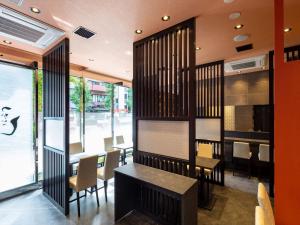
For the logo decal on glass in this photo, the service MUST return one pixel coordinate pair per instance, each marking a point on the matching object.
(8, 124)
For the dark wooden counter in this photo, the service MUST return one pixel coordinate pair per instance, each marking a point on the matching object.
(167, 197)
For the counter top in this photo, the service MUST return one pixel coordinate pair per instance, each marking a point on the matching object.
(166, 180)
(256, 141)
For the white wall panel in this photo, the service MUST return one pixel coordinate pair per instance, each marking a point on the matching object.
(208, 129)
(169, 138)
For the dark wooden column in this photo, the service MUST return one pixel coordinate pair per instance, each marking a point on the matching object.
(56, 121)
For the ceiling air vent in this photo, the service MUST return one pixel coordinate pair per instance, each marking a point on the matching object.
(84, 32)
(246, 64)
(20, 27)
(244, 48)
(17, 2)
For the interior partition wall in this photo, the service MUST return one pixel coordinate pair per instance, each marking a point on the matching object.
(164, 99)
(210, 112)
(56, 125)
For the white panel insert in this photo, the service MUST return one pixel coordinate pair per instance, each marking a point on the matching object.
(208, 129)
(55, 134)
(169, 138)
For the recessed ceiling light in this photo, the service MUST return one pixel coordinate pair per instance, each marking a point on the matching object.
(198, 48)
(234, 15)
(128, 52)
(287, 29)
(1, 55)
(165, 18)
(228, 1)
(239, 26)
(91, 60)
(35, 10)
(7, 42)
(138, 31)
(242, 37)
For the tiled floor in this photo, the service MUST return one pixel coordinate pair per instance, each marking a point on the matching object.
(233, 207)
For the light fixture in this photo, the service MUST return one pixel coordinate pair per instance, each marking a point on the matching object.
(128, 52)
(228, 1)
(7, 42)
(35, 10)
(1, 55)
(234, 15)
(165, 18)
(239, 26)
(198, 48)
(242, 37)
(287, 29)
(138, 31)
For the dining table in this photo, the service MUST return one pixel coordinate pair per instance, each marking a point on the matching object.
(75, 158)
(123, 147)
(205, 200)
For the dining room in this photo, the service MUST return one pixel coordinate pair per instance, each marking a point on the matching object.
(156, 120)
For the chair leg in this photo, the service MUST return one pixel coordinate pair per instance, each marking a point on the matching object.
(207, 180)
(249, 169)
(78, 204)
(85, 193)
(96, 190)
(105, 189)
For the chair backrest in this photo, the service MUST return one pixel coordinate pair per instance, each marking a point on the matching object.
(265, 203)
(108, 144)
(264, 153)
(87, 172)
(259, 216)
(241, 150)
(111, 162)
(75, 148)
(120, 139)
(205, 150)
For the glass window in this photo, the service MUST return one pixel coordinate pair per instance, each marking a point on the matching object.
(97, 115)
(76, 106)
(123, 113)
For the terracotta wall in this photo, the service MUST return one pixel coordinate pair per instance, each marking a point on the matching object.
(287, 130)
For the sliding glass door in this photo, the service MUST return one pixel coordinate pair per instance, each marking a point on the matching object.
(17, 155)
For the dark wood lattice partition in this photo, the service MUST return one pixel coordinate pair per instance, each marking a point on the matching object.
(163, 68)
(164, 80)
(56, 111)
(210, 105)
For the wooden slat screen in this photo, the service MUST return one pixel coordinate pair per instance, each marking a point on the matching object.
(209, 90)
(56, 107)
(210, 105)
(162, 74)
(164, 81)
(292, 53)
(170, 164)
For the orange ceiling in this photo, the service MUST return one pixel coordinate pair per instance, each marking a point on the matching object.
(114, 21)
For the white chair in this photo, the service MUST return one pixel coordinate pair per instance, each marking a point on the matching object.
(86, 177)
(259, 216)
(107, 172)
(75, 148)
(108, 144)
(241, 150)
(264, 153)
(120, 139)
(265, 204)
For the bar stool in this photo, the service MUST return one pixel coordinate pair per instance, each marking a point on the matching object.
(264, 153)
(241, 150)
